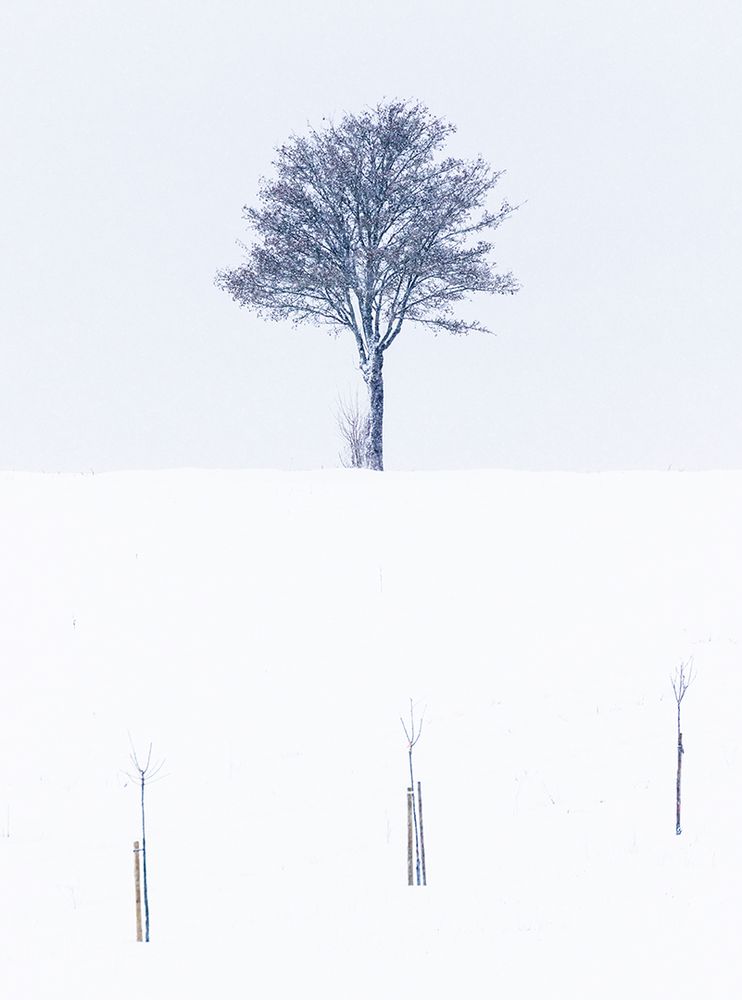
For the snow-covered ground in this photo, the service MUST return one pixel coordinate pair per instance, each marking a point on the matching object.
(265, 632)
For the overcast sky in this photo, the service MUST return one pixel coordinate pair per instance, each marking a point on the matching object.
(133, 134)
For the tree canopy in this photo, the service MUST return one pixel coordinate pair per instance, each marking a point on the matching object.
(365, 226)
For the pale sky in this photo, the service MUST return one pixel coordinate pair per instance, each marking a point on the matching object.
(133, 135)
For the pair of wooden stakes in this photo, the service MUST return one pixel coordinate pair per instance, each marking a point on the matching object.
(416, 874)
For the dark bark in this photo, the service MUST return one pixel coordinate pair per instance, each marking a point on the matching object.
(372, 375)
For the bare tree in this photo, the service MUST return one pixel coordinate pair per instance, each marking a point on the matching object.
(680, 681)
(353, 425)
(413, 735)
(365, 227)
(144, 774)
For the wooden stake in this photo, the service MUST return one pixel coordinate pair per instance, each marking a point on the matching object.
(422, 838)
(137, 890)
(414, 820)
(409, 838)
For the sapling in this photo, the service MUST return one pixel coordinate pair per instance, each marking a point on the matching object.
(680, 681)
(413, 735)
(144, 775)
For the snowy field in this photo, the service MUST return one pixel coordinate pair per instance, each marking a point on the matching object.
(266, 630)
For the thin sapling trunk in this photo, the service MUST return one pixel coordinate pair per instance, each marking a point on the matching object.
(144, 866)
(414, 819)
(144, 775)
(680, 682)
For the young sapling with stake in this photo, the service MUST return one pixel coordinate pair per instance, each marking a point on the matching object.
(144, 775)
(680, 682)
(415, 808)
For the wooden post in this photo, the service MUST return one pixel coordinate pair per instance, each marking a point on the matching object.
(422, 837)
(137, 890)
(409, 837)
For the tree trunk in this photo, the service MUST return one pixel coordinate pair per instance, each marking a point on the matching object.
(678, 828)
(144, 870)
(375, 384)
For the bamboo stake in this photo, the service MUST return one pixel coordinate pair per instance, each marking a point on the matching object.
(414, 821)
(409, 837)
(422, 838)
(137, 890)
